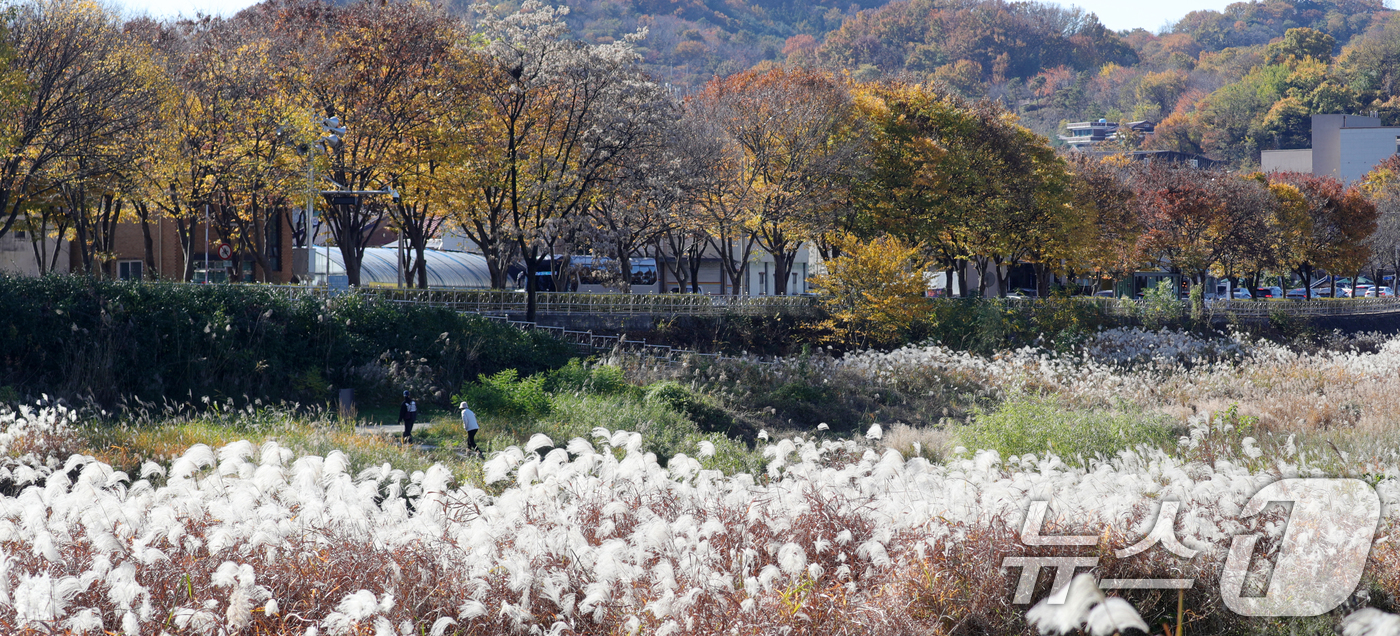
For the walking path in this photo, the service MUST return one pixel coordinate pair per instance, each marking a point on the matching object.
(395, 431)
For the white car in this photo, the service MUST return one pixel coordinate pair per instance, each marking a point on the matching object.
(1380, 292)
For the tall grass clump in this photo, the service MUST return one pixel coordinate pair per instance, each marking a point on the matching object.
(594, 535)
(1029, 423)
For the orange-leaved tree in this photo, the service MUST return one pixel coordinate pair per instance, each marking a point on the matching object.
(875, 290)
(1333, 231)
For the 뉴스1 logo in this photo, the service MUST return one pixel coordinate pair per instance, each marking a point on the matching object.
(1320, 557)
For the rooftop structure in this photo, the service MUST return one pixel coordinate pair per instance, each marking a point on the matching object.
(1090, 133)
(1149, 156)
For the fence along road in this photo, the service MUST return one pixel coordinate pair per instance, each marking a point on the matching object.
(1262, 308)
(503, 302)
(497, 305)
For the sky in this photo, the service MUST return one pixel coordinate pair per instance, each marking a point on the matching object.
(1152, 15)
(1115, 14)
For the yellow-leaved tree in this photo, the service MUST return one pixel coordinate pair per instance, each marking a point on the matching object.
(874, 289)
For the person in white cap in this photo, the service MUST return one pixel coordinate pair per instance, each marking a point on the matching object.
(469, 421)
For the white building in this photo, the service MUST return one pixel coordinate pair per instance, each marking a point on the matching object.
(17, 254)
(1343, 146)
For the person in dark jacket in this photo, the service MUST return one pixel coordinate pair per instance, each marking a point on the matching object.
(408, 414)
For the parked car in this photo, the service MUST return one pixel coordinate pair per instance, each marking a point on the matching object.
(1107, 293)
(1380, 292)
(1241, 293)
(1353, 292)
(1269, 292)
(1297, 293)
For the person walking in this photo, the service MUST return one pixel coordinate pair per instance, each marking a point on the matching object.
(469, 421)
(408, 414)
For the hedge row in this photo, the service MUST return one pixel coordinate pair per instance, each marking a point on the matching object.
(75, 336)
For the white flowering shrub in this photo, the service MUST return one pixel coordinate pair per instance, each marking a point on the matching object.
(596, 537)
(33, 443)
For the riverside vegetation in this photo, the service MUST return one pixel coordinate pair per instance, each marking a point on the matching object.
(874, 492)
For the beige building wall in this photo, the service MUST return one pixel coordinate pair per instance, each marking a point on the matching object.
(1286, 160)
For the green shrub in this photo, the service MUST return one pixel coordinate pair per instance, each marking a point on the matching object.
(506, 395)
(665, 431)
(74, 335)
(1036, 424)
(708, 416)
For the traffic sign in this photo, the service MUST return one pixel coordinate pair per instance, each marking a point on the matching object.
(225, 251)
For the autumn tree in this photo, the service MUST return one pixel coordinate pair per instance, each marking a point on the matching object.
(790, 154)
(640, 199)
(912, 186)
(1103, 193)
(965, 179)
(874, 289)
(1382, 185)
(718, 213)
(376, 67)
(1332, 232)
(72, 89)
(1194, 218)
(556, 116)
(224, 152)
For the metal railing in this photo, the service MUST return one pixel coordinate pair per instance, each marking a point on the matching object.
(594, 342)
(496, 301)
(1301, 307)
(1247, 308)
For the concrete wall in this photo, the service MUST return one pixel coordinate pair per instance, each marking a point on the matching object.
(1327, 141)
(1287, 160)
(1363, 148)
(17, 255)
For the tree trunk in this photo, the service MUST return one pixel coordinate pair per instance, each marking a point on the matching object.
(421, 267)
(143, 212)
(185, 230)
(961, 265)
(624, 265)
(782, 269)
(531, 286)
(660, 267)
(693, 256)
(1003, 281)
(981, 262)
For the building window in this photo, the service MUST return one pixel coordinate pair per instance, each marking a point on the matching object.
(19, 235)
(129, 270)
(1195, 163)
(763, 281)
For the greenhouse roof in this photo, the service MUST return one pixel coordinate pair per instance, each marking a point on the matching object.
(380, 267)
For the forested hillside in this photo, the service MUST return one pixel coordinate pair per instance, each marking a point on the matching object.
(1226, 84)
(691, 41)
(1223, 83)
